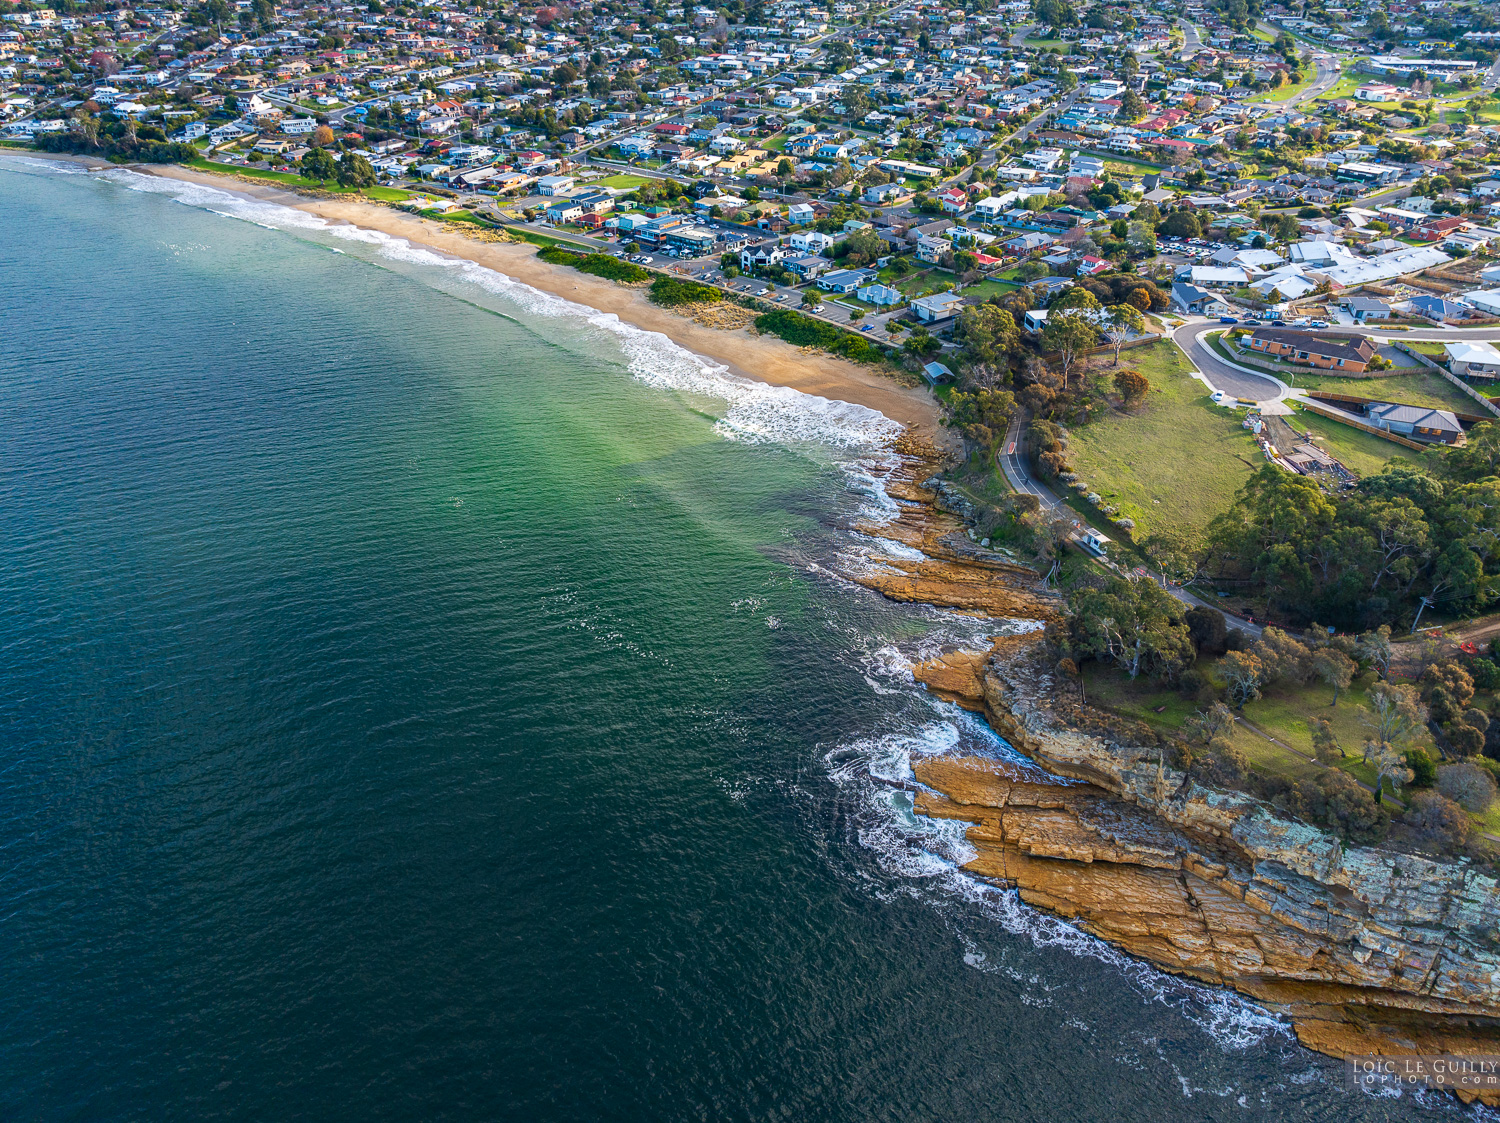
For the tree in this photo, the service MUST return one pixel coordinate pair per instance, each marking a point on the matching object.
(1374, 647)
(1124, 320)
(1396, 713)
(1468, 785)
(1208, 629)
(1283, 657)
(1212, 723)
(984, 416)
(1140, 240)
(1132, 385)
(1438, 822)
(1181, 224)
(1135, 624)
(319, 165)
(356, 171)
(1349, 811)
(322, 137)
(1070, 336)
(1243, 674)
(1335, 668)
(1389, 763)
(1326, 747)
(988, 332)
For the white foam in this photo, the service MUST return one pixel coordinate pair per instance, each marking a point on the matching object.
(756, 412)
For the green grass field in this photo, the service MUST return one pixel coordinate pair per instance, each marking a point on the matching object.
(290, 179)
(1178, 461)
(1289, 91)
(1423, 387)
(624, 182)
(1285, 714)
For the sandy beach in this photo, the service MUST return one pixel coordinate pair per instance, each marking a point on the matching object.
(763, 358)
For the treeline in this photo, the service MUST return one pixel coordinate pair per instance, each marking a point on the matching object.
(124, 149)
(1401, 541)
(596, 264)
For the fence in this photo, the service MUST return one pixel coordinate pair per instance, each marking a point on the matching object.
(1339, 415)
(1350, 399)
(1488, 405)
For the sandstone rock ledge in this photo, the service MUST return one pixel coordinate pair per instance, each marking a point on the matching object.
(1365, 950)
(954, 572)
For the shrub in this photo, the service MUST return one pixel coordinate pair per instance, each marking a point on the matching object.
(670, 292)
(597, 264)
(1423, 770)
(1438, 822)
(1467, 785)
(804, 331)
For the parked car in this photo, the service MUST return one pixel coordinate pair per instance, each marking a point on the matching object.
(1229, 319)
(1318, 324)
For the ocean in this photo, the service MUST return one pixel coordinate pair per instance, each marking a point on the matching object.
(424, 698)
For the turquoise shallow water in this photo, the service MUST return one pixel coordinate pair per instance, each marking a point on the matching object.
(420, 699)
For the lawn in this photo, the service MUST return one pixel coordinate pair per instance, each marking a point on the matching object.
(1178, 461)
(1284, 713)
(290, 179)
(1289, 91)
(1126, 164)
(1044, 44)
(988, 288)
(624, 182)
(1345, 86)
(1421, 387)
(1357, 450)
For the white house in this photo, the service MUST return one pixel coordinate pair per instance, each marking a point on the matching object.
(1473, 358)
(799, 214)
(881, 295)
(554, 185)
(810, 241)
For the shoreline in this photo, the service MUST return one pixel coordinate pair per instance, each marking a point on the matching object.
(757, 358)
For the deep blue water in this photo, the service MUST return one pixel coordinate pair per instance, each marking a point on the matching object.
(421, 701)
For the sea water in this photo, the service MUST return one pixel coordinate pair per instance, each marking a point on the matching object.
(422, 697)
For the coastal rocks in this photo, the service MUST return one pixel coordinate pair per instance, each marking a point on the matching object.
(952, 571)
(1365, 950)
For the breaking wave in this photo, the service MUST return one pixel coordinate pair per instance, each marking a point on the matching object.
(756, 412)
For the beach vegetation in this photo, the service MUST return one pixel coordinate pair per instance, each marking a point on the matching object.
(805, 331)
(670, 292)
(595, 264)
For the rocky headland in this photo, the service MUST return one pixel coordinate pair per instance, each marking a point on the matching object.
(1366, 950)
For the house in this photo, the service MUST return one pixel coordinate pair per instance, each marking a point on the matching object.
(1365, 308)
(937, 308)
(882, 296)
(955, 200)
(564, 210)
(1195, 301)
(1326, 352)
(1486, 300)
(810, 241)
(799, 214)
(1435, 228)
(1376, 91)
(844, 280)
(887, 195)
(936, 373)
(1418, 422)
(761, 253)
(554, 185)
(931, 250)
(1440, 310)
(806, 266)
(1473, 358)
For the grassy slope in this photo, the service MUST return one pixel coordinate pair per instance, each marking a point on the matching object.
(382, 194)
(1285, 713)
(1179, 450)
(1422, 387)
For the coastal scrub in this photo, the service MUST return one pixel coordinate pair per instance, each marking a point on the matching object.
(597, 264)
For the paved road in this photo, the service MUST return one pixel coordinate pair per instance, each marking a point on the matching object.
(1192, 42)
(1018, 40)
(1012, 459)
(1041, 118)
(1219, 373)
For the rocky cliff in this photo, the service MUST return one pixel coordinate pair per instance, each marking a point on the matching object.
(1365, 950)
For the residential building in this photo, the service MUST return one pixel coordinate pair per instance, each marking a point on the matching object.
(1420, 423)
(1326, 352)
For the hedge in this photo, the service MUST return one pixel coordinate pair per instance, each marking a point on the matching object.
(598, 264)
